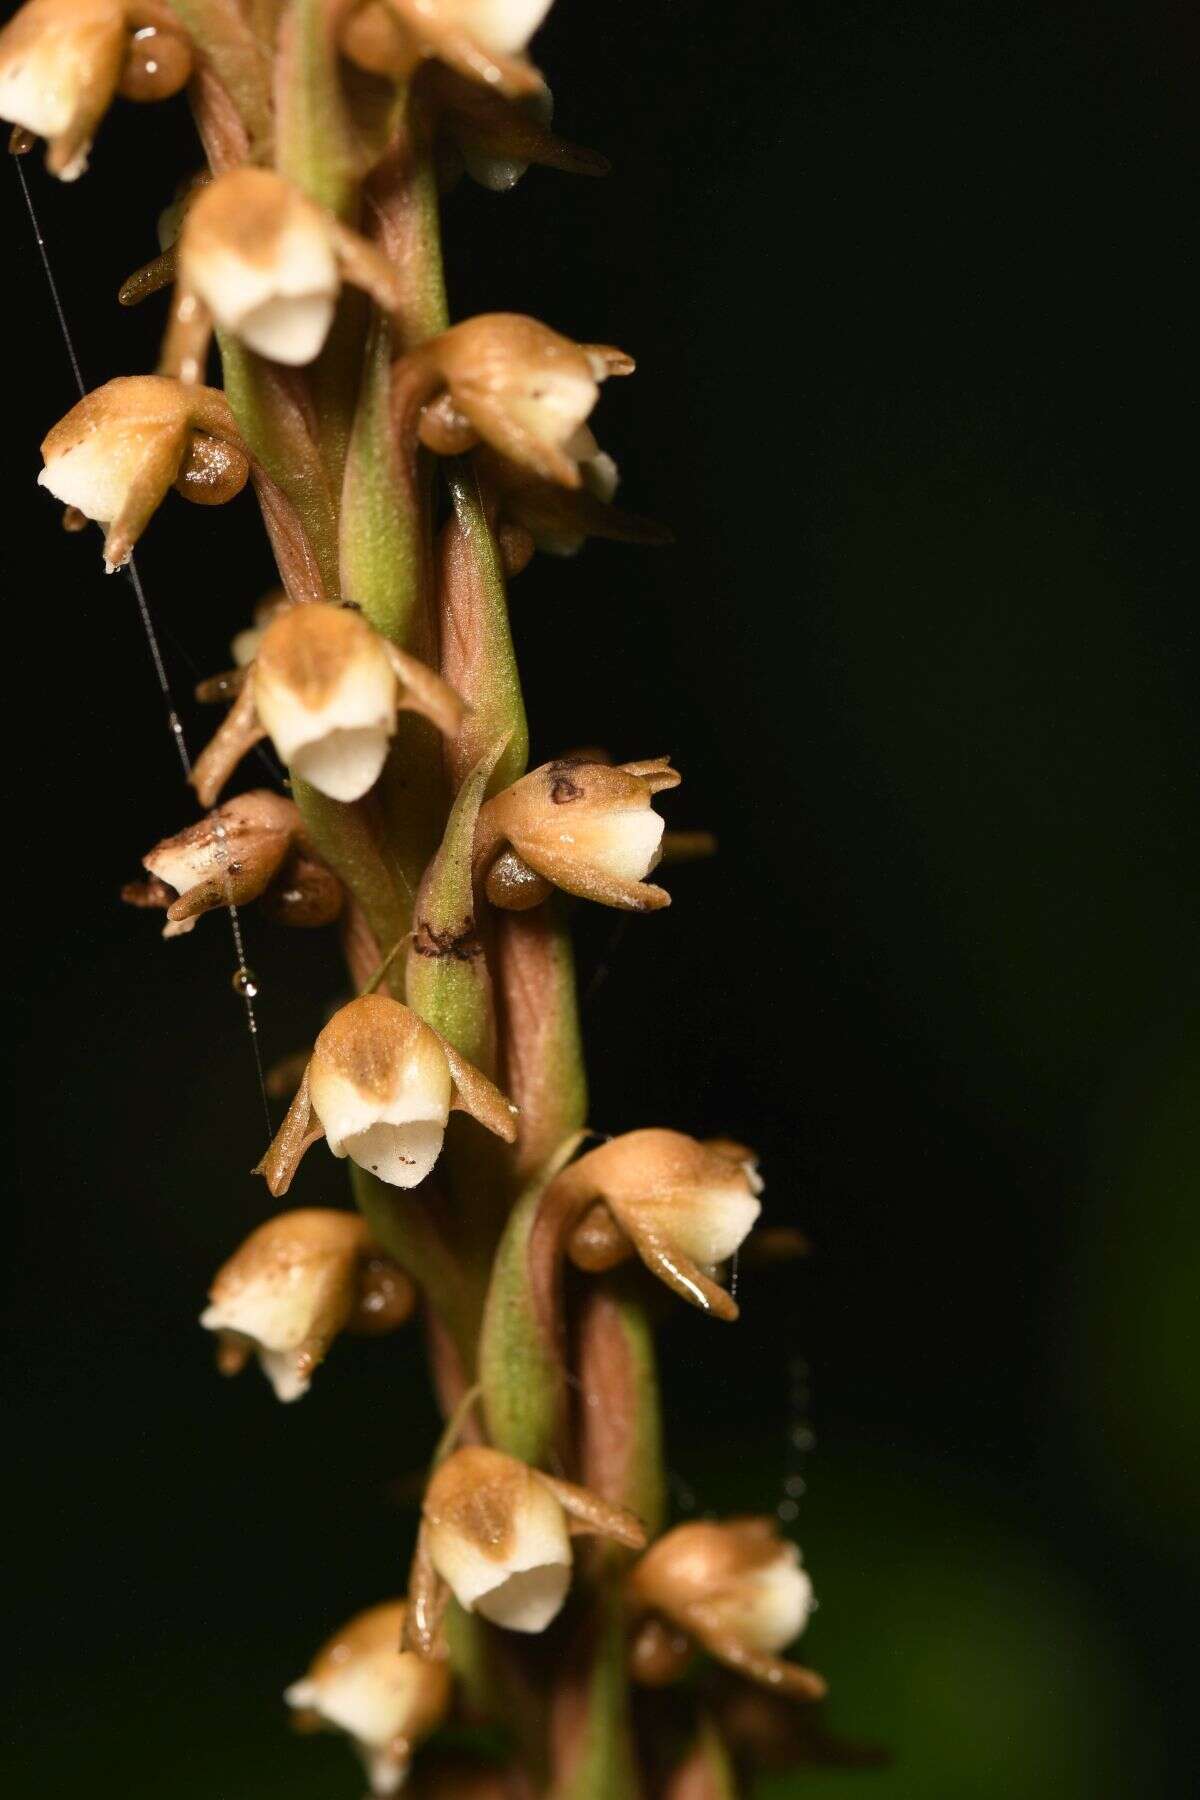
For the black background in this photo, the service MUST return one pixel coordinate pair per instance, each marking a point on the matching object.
(906, 287)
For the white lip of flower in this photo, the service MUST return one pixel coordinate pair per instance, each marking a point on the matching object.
(713, 1225)
(95, 475)
(502, 26)
(769, 1607)
(278, 1322)
(339, 744)
(625, 844)
(523, 1589)
(555, 409)
(396, 1128)
(383, 1698)
(282, 308)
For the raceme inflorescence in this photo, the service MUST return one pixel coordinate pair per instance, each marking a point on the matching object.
(408, 467)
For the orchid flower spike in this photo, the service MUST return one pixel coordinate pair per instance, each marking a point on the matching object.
(117, 452)
(484, 40)
(226, 859)
(259, 259)
(380, 1087)
(62, 63)
(511, 382)
(685, 1207)
(294, 1284)
(738, 1590)
(497, 1535)
(585, 827)
(386, 1700)
(326, 689)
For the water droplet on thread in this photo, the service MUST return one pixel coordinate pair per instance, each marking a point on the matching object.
(245, 983)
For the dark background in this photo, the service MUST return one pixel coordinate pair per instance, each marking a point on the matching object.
(906, 286)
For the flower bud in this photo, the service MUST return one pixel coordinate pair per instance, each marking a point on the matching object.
(686, 1207)
(227, 858)
(525, 390)
(587, 827)
(117, 452)
(739, 1590)
(495, 1531)
(288, 1291)
(380, 1087)
(62, 62)
(385, 1699)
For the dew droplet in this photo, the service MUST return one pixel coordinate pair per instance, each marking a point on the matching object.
(245, 983)
(788, 1511)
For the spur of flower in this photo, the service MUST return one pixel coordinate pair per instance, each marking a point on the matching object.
(384, 1699)
(261, 260)
(293, 1286)
(586, 827)
(114, 456)
(326, 689)
(685, 1207)
(738, 1590)
(508, 381)
(380, 1086)
(497, 1535)
(63, 62)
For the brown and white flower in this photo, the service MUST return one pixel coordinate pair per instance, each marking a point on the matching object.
(585, 827)
(497, 1535)
(385, 1699)
(684, 1206)
(739, 1590)
(326, 689)
(294, 1284)
(512, 382)
(116, 453)
(227, 858)
(380, 1087)
(260, 259)
(62, 63)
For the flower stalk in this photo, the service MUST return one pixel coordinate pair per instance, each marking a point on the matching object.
(408, 464)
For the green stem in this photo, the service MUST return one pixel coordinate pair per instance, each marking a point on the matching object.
(353, 841)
